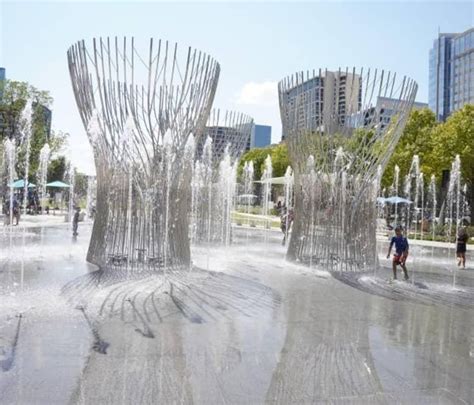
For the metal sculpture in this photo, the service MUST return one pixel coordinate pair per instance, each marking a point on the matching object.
(214, 181)
(141, 106)
(228, 130)
(341, 128)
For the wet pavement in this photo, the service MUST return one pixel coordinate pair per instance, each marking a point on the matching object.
(240, 326)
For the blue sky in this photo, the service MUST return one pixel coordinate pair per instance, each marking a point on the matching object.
(256, 43)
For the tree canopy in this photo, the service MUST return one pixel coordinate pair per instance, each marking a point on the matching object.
(437, 144)
(278, 154)
(15, 96)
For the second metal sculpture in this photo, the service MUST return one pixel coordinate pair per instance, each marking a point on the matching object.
(341, 128)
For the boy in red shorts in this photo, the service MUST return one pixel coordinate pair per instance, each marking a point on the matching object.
(401, 252)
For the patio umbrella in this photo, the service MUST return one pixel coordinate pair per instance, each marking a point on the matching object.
(21, 184)
(273, 180)
(58, 184)
(397, 200)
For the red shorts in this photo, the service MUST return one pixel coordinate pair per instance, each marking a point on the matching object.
(400, 259)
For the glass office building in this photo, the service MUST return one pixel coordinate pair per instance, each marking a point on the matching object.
(260, 136)
(451, 81)
(2, 78)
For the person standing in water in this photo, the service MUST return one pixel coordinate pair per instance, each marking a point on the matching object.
(401, 252)
(75, 221)
(286, 220)
(462, 239)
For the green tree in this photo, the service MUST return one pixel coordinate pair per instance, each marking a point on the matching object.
(258, 156)
(80, 185)
(278, 154)
(57, 169)
(280, 159)
(14, 99)
(57, 141)
(416, 139)
(456, 137)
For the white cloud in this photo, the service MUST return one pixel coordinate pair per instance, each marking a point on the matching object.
(264, 94)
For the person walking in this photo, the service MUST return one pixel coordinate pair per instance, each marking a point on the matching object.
(286, 219)
(75, 221)
(16, 211)
(401, 252)
(461, 246)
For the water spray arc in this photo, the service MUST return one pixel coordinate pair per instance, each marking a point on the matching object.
(218, 150)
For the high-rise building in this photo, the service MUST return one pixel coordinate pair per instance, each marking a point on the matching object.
(382, 113)
(45, 115)
(260, 136)
(3, 76)
(333, 94)
(451, 83)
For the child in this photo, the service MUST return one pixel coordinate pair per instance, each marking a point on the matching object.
(286, 219)
(401, 252)
(75, 221)
(463, 237)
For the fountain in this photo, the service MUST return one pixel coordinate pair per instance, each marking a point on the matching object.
(227, 187)
(454, 204)
(432, 200)
(43, 174)
(26, 120)
(141, 118)
(453, 197)
(91, 195)
(202, 195)
(412, 192)
(10, 160)
(396, 180)
(248, 173)
(71, 178)
(289, 180)
(215, 174)
(267, 190)
(338, 118)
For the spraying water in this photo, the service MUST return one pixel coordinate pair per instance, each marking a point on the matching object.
(412, 187)
(224, 198)
(433, 201)
(289, 182)
(43, 173)
(10, 157)
(267, 189)
(454, 195)
(26, 119)
(396, 181)
(248, 187)
(91, 195)
(71, 178)
(421, 188)
(454, 201)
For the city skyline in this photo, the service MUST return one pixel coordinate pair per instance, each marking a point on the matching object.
(256, 44)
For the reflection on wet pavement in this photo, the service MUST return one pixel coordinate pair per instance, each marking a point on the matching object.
(241, 326)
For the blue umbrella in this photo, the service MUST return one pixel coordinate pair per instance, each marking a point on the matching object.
(58, 184)
(397, 200)
(21, 184)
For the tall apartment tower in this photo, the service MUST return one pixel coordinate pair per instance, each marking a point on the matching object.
(3, 76)
(451, 81)
(333, 94)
